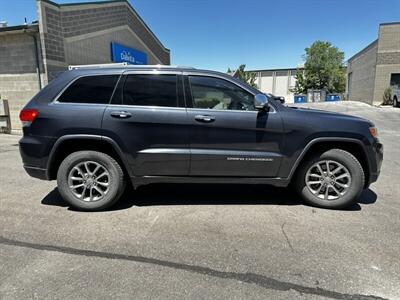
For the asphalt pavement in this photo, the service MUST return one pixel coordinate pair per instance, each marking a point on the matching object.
(202, 241)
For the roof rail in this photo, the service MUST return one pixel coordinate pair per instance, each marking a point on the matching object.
(123, 64)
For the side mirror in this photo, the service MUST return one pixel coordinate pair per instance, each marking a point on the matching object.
(280, 99)
(260, 101)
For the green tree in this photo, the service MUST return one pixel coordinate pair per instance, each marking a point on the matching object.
(248, 77)
(323, 69)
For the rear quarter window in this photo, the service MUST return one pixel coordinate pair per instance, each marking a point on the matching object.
(90, 89)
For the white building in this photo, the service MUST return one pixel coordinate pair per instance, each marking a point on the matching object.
(278, 82)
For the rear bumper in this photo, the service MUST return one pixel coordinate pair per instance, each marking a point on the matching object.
(35, 153)
(36, 172)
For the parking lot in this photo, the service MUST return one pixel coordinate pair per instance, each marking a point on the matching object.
(202, 241)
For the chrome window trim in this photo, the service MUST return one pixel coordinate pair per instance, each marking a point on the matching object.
(153, 107)
(231, 110)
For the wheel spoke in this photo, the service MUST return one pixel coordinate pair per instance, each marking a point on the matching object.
(76, 186)
(343, 176)
(101, 175)
(320, 169)
(83, 193)
(335, 190)
(99, 190)
(314, 182)
(79, 170)
(91, 194)
(327, 167)
(102, 183)
(342, 184)
(326, 193)
(315, 175)
(96, 169)
(76, 178)
(319, 189)
(336, 170)
(86, 164)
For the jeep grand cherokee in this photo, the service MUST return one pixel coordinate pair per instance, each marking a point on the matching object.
(94, 129)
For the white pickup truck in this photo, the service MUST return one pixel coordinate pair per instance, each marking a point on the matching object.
(396, 96)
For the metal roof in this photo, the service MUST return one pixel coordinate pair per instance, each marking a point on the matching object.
(18, 28)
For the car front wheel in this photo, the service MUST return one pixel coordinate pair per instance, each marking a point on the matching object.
(333, 179)
(90, 180)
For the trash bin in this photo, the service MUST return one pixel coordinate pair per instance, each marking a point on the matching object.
(333, 97)
(300, 98)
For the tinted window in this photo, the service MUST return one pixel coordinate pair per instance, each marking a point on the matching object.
(215, 93)
(151, 90)
(91, 89)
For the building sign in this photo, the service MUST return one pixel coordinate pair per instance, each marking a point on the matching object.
(121, 53)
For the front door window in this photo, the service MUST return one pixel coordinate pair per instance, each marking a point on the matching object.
(215, 93)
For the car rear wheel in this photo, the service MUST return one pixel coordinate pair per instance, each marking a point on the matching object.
(90, 180)
(333, 179)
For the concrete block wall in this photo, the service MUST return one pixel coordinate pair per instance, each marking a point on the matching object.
(17, 54)
(388, 58)
(93, 48)
(18, 89)
(18, 77)
(82, 34)
(362, 67)
(382, 80)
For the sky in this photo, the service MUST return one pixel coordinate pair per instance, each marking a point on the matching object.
(263, 34)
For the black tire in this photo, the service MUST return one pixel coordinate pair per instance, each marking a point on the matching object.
(115, 176)
(354, 190)
(395, 102)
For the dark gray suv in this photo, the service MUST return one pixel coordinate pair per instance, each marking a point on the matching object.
(95, 129)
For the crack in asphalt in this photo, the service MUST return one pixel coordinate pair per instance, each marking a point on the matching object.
(286, 237)
(260, 280)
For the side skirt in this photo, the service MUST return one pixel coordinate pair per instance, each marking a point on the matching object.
(144, 180)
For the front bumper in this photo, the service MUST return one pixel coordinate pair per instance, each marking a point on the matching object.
(36, 172)
(377, 157)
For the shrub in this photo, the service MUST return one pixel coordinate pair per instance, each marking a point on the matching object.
(387, 97)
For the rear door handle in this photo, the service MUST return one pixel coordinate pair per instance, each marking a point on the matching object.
(121, 114)
(204, 118)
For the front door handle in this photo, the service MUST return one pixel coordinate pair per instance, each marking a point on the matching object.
(121, 114)
(204, 118)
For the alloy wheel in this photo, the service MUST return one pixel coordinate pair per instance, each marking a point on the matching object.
(89, 181)
(328, 180)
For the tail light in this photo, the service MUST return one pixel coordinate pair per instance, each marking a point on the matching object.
(27, 116)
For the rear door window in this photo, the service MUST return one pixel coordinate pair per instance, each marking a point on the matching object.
(151, 90)
(90, 89)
